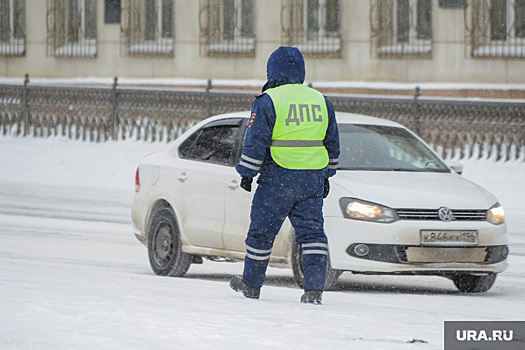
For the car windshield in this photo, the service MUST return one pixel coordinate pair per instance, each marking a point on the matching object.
(384, 148)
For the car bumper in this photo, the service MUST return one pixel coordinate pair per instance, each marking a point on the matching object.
(395, 248)
(138, 219)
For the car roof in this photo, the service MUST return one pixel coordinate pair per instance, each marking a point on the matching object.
(353, 118)
(342, 118)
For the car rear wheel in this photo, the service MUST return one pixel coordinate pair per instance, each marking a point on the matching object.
(164, 246)
(469, 283)
(298, 271)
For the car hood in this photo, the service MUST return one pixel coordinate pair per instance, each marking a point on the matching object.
(413, 189)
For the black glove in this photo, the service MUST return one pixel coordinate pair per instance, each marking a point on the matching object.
(326, 188)
(246, 183)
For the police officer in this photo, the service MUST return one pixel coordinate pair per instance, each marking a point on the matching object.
(293, 143)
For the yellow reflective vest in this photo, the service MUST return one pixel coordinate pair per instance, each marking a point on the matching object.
(300, 127)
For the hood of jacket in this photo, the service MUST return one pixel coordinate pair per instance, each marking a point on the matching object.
(285, 66)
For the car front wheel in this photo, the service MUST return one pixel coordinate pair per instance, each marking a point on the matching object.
(164, 246)
(298, 271)
(469, 283)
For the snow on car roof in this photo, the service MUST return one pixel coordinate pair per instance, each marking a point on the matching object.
(352, 118)
(342, 117)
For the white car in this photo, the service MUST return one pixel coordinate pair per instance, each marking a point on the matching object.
(394, 207)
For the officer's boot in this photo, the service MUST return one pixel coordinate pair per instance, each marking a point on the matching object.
(312, 297)
(237, 284)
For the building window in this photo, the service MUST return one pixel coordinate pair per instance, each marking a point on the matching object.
(401, 28)
(112, 11)
(12, 28)
(227, 28)
(71, 28)
(147, 28)
(495, 28)
(452, 4)
(313, 26)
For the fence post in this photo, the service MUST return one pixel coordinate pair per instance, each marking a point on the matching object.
(25, 101)
(114, 117)
(208, 99)
(415, 111)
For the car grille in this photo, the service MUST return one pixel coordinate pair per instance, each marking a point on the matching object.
(432, 214)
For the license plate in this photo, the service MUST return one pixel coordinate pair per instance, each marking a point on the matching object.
(449, 237)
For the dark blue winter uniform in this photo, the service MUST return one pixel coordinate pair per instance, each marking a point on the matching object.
(297, 194)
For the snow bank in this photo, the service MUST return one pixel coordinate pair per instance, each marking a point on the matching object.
(58, 160)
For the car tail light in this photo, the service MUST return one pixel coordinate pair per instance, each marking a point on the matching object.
(137, 181)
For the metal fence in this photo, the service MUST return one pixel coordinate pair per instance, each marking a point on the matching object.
(101, 114)
(455, 128)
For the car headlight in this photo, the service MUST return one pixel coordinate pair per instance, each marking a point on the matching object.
(362, 210)
(496, 214)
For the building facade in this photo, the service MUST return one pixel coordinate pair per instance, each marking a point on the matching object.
(474, 41)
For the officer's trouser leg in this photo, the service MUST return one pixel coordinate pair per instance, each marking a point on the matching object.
(307, 220)
(267, 215)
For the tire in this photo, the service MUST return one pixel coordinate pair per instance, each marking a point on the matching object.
(298, 271)
(469, 283)
(164, 246)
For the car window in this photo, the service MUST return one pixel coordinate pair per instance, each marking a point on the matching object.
(216, 142)
(185, 147)
(376, 147)
(242, 138)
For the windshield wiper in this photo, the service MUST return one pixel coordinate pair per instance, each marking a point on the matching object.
(404, 169)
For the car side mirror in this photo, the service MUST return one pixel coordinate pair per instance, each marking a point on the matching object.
(457, 167)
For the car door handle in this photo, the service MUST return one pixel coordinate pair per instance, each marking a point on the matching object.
(233, 184)
(182, 177)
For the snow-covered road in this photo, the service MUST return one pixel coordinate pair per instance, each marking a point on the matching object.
(73, 276)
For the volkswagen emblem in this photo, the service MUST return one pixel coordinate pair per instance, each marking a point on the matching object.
(445, 214)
